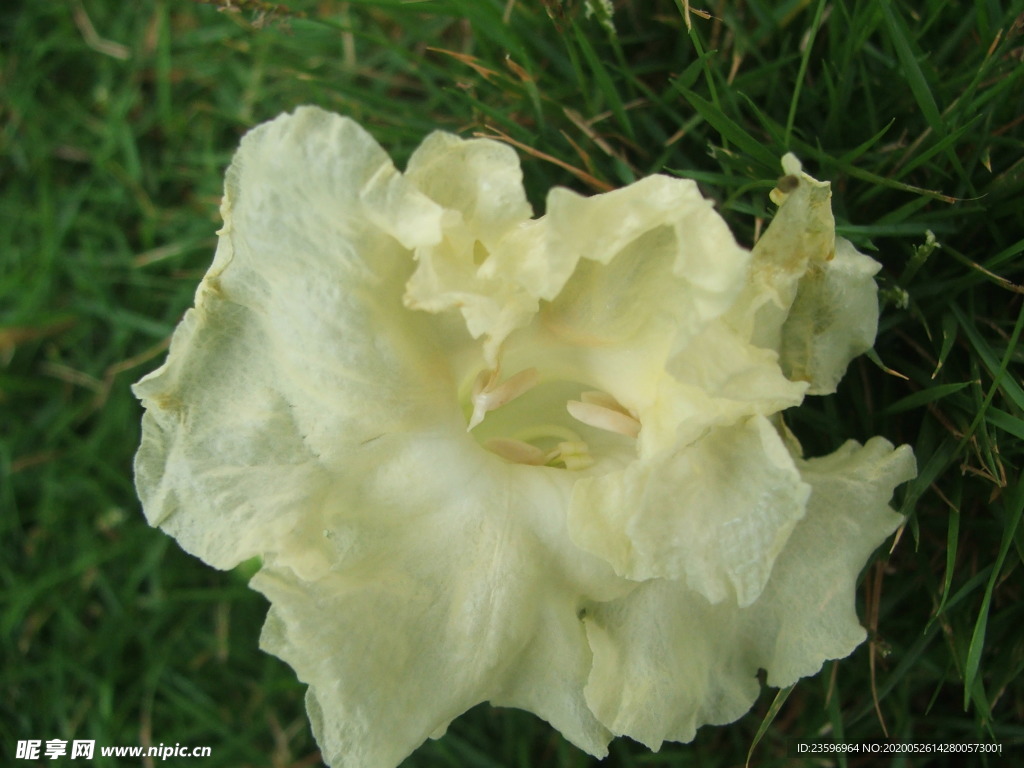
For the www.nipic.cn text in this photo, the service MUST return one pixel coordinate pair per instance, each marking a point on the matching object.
(34, 749)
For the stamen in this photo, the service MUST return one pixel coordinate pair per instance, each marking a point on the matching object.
(603, 399)
(574, 455)
(488, 397)
(601, 416)
(516, 451)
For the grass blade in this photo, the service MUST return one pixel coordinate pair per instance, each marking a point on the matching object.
(731, 131)
(1015, 506)
(773, 710)
(912, 70)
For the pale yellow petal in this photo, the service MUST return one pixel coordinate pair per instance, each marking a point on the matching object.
(740, 378)
(713, 514)
(660, 253)
(478, 183)
(801, 234)
(457, 586)
(834, 318)
(666, 661)
(807, 613)
(298, 349)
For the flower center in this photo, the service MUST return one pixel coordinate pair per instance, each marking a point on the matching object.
(528, 419)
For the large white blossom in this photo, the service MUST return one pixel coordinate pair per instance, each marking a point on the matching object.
(536, 462)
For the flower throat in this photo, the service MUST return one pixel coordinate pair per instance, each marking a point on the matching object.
(527, 419)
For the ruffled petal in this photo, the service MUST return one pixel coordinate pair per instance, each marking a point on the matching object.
(478, 184)
(811, 296)
(587, 259)
(478, 180)
(807, 613)
(460, 588)
(801, 234)
(653, 253)
(834, 318)
(666, 661)
(298, 349)
(687, 516)
(649, 266)
(739, 378)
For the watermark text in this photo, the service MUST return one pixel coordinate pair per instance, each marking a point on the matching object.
(54, 749)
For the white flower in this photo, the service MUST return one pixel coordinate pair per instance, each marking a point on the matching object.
(537, 462)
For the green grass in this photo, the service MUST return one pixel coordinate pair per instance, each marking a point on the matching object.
(112, 150)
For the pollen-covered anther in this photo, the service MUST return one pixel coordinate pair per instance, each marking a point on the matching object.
(488, 395)
(601, 410)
